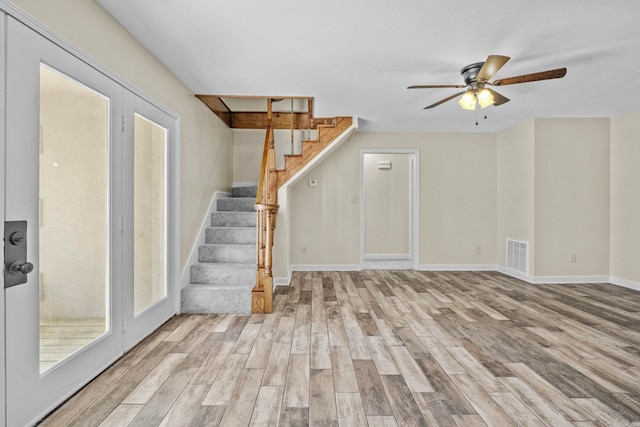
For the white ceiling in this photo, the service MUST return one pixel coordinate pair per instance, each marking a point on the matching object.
(357, 57)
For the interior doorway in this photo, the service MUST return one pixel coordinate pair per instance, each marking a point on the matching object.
(389, 209)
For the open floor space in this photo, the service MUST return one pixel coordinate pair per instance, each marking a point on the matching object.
(385, 348)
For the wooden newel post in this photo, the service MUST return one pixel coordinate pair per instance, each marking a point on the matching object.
(262, 293)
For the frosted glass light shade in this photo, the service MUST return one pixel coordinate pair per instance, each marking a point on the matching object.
(485, 98)
(468, 100)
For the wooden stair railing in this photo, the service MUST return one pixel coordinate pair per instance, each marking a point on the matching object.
(267, 208)
(267, 198)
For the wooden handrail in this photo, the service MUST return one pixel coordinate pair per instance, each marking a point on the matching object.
(267, 208)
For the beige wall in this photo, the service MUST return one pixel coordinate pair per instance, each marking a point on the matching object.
(516, 184)
(247, 154)
(457, 200)
(571, 197)
(625, 197)
(551, 182)
(206, 155)
(567, 186)
(248, 145)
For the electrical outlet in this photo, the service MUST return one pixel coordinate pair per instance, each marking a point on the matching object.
(303, 250)
(478, 250)
(574, 258)
(355, 199)
(313, 183)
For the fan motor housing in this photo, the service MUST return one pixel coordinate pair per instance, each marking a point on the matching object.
(470, 72)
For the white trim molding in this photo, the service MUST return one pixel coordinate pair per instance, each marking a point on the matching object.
(326, 267)
(565, 280)
(515, 273)
(534, 280)
(282, 281)
(625, 283)
(457, 267)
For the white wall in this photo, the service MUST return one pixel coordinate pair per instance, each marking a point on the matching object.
(625, 197)
(205, 154)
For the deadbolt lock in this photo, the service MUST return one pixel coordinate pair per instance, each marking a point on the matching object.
(16, 266)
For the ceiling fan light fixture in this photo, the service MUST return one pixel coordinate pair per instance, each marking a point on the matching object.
(468, 100)
(485, 98)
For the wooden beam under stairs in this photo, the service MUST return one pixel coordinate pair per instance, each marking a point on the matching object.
(327, 133)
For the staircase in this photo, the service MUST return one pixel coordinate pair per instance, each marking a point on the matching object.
(234, 269)
(222, 280)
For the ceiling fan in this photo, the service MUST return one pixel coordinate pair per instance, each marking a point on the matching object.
(476, 78)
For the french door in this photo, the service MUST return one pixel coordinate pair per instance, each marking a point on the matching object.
(87, 174)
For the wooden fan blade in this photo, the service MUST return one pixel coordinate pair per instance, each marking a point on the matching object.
(491, 66)
(442, 101)
(434, 86)
(558, 73)
(497, 98)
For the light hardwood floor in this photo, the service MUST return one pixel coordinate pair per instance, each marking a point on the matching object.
(385, 348)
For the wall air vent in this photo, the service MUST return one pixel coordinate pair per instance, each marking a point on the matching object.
(518, 255)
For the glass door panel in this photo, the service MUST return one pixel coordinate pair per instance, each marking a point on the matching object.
(74, 226)
(150, 213)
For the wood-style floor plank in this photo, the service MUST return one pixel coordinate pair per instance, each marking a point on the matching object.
(385, 348)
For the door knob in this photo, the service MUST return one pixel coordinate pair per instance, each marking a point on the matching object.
(18, 267)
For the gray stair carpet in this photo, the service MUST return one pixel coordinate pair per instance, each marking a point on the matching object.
(225, 274)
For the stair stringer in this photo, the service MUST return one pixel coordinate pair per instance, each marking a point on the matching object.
(344, 136)
(281, 249)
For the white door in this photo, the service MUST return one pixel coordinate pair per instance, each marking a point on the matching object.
(89, 168)
(62, 169)
(149, 244)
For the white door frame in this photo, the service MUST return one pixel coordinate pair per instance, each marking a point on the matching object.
(3, 379)
(414, 208)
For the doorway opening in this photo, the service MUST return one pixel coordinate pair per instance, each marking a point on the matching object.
(389, 209)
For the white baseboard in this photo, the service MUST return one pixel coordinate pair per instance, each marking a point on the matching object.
(515, 273)
(457, 267)
(625, 283)
(326, 267)
(386, 257)
(534, 280)
(282, 281)
(185, 277)
(562, 280)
